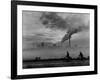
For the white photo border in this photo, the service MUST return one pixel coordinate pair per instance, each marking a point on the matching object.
(21, 71)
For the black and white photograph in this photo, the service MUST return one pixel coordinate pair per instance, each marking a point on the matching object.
(55, 39)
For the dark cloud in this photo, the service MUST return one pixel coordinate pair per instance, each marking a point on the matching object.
(73, 21)
(53, 21)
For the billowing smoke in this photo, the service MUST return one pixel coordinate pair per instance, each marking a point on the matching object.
(53, 21)
(71, 23)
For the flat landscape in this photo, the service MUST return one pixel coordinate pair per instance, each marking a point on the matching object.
(54, 63)
(54, 55)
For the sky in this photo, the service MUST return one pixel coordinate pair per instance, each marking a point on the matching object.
(33, 27)
(35, 31)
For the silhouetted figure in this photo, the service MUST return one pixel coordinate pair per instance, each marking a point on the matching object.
(81, 56)
(68, 56)
(37, 58)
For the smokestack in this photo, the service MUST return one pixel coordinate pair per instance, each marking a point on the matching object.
(69, 34)
(66, 37)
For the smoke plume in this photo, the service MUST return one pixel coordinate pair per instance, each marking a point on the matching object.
(73, 23)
